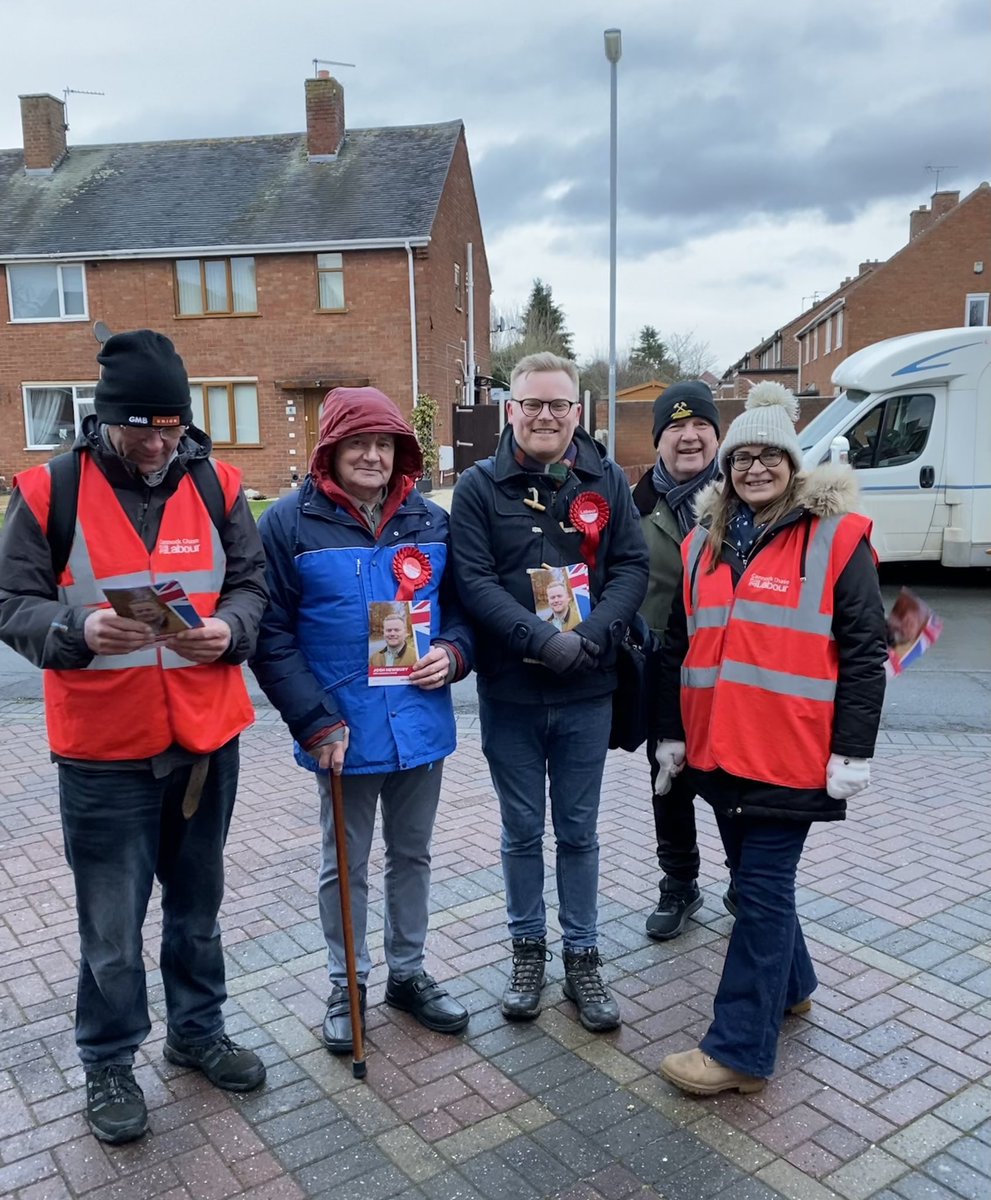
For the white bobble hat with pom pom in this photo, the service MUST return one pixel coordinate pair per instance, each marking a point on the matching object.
(768, 419)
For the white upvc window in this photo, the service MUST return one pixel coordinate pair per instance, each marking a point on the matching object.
(226, 410)
(815, 342)
(53, 413)
(976, 311)
(839, 328)
(46, 291)
(828, 335)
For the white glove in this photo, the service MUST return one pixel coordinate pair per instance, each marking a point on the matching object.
(845, 777)
(670, 759)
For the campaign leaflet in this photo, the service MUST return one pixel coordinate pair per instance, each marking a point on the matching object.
(561, 595)
(398, 635)
(163, 606)
(911, 628)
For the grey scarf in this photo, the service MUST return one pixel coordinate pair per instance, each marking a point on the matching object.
(680, 496)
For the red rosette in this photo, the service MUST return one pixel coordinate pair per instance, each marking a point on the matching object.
(413, 570)
(589, 513)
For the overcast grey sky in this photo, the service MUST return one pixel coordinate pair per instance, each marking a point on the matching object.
(766, 147)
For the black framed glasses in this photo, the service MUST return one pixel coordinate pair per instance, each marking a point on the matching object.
(559, 408)
(743, 460)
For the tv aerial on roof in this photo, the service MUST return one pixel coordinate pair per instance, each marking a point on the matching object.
(329, 62)
(67, 92)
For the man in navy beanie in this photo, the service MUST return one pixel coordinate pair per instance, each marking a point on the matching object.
(143, 728)
(686, 437)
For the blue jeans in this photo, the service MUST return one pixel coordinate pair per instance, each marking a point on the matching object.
(526, 745)
(767, 967)
(122, 830)
(409, 808)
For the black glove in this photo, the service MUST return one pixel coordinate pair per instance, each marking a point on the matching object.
(565, 653)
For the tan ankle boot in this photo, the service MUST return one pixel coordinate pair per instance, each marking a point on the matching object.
(701, 1075)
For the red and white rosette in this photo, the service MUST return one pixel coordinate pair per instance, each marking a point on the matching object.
(412, 569)
(589, 513)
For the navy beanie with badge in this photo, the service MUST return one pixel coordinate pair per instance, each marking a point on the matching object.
(143, 382)
(689, 398)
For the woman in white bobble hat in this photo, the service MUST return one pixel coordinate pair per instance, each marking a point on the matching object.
(771, 690)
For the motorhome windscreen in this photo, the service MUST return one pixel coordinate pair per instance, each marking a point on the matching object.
(831, 416)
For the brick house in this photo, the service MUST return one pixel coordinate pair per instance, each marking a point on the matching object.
(280, 266)
(936, 280)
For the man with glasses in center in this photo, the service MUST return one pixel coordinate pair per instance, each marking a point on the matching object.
(548, 498)
(144, 733)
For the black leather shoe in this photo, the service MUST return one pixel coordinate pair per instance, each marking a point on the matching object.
(730, 900)
(337, 1022)
(521, 999)
(597, 1010)
(675, 904)
(115, 1105)
(428, 1002)
(226, 1064)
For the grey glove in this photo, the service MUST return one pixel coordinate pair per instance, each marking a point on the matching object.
(565, 653)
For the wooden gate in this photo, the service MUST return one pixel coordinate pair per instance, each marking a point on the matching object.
(476, 433)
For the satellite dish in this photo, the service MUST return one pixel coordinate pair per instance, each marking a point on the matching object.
(101, 332)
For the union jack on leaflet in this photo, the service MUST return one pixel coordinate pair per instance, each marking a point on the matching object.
(578, 582)
(419, 616)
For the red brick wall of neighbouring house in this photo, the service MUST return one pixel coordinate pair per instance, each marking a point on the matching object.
(442, 325)
(288, 340)
(923, 286)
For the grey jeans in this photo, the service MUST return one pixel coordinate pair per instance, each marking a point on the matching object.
(409, 806)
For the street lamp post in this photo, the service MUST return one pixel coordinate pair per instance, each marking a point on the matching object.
(614, 49)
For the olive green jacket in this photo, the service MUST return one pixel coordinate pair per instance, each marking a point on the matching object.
(663, 537)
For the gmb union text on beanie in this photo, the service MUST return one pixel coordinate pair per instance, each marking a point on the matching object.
(680, 401)
(143, 382)
(768, 419)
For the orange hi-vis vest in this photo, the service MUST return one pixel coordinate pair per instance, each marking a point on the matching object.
(759, 679)
(133, 706)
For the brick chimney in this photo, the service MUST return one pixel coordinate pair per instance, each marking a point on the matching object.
(43, 122)
(324, 117)
(919, 221)
(942, 202)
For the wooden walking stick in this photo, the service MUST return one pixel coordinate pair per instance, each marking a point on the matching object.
(344, 885)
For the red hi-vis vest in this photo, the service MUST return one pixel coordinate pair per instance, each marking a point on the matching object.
(132, 706)
(759, 679)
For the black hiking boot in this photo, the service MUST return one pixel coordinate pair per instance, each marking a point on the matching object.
(226, 1064)
(583, 985)
(115, 1105)
(521, 999)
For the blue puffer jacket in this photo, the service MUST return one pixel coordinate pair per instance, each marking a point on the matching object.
(324, 567)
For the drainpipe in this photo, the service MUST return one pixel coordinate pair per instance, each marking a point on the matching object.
(470, 351)
(412, 323)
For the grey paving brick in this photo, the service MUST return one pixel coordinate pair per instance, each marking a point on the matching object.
(576, 1151)
(542, 1171)
(497, 1180)
(947, 1169)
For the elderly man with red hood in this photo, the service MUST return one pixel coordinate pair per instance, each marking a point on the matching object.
(358, 531)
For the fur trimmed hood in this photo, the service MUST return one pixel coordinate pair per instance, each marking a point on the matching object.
(825, 491)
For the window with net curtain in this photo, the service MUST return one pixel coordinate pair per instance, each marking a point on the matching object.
(53, 414)
(215, 286)
(330, 281)
(228, 412)
(46, 291)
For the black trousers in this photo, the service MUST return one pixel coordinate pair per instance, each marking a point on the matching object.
(674, 824)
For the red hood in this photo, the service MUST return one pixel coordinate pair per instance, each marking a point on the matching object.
(347, 411)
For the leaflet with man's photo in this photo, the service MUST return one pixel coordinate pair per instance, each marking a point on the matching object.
(561, 595)
(398, 635)
(163, 606)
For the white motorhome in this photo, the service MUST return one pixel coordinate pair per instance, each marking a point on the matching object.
(916, 411)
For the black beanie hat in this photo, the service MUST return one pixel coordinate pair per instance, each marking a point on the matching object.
(689, 398)
(143, 382)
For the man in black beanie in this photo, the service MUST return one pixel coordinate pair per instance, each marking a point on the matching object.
(686, 437)
(144, 731)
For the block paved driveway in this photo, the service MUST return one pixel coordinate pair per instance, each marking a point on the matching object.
(884, 1091)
